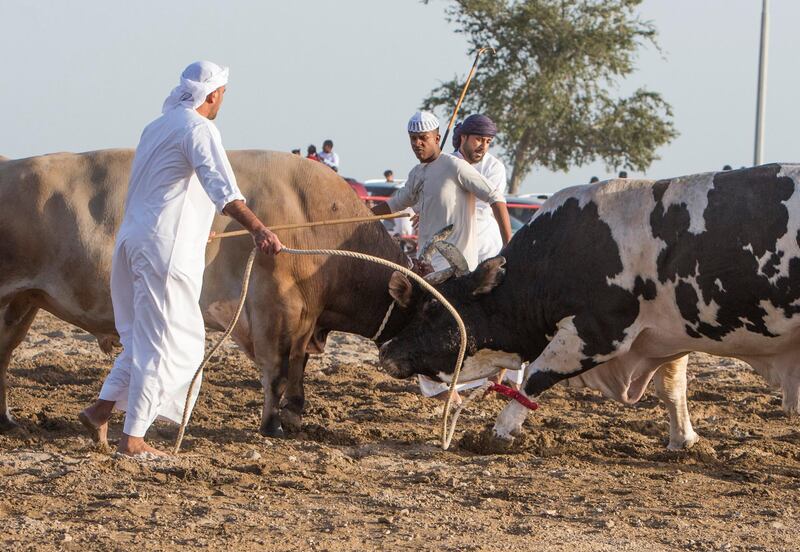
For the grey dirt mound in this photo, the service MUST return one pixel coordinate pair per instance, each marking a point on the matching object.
(364, 472)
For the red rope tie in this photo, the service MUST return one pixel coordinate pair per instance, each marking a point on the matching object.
(514, 394)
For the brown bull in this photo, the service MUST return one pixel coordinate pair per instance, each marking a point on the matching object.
(59, 214)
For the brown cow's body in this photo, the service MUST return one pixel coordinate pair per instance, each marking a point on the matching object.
(58, 217)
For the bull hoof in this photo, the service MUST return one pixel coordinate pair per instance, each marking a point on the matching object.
(685, 442)
(292, 421)
(488, 442)
(272, 427)
(7, 423)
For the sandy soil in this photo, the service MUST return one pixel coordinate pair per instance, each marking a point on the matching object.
(366, 472)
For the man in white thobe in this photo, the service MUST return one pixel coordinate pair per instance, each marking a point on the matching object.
(471, 140)
(445, 189)
(180, 176)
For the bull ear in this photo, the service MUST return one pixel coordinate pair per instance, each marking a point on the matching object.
(488, 275)
(400, 289)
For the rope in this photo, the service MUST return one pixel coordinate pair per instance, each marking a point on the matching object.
(242, 296)
(385, 321)
(446, 437)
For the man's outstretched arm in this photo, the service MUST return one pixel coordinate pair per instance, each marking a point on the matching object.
(266, 241)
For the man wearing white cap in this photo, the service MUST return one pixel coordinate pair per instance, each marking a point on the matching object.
(180, 175)
(445, 189)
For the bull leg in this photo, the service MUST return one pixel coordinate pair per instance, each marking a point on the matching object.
(17, 318)
(670, 384)
(294, 398)
(560, 360)
(274, 369)
(781, 371)
(791, 396)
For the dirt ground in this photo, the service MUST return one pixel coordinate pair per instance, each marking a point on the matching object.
(366, 472)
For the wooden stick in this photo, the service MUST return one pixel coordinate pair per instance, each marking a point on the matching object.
(463, 93)
(310, 225)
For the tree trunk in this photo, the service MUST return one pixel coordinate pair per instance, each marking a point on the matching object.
(520, 166)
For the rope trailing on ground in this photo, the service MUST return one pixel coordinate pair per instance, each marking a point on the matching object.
(446, 436)
(242, 296)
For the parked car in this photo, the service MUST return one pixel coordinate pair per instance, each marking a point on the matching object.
(382, 189)
(358, 187)
(524, 207)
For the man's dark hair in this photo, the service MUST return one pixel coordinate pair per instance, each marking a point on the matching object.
(312, 149)
(623, 174)
(327, 143)
(593, 180)
(387, 173)
(727, 168)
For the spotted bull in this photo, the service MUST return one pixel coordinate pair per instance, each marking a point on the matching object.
(611, 285)
(58, 217)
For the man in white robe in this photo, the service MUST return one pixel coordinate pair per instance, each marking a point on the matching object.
(445, 189)
(471, 140)
(180, 176)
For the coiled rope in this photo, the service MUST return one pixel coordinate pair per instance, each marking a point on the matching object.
(447, 434)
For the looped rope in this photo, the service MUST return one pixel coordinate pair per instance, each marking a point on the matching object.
(446, 437)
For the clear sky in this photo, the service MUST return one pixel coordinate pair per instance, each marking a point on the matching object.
(89, 75)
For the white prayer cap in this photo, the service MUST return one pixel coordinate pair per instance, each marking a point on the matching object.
(198, 80)
(423, 121)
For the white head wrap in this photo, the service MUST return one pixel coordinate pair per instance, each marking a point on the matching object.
(423, 121)
(198, 80)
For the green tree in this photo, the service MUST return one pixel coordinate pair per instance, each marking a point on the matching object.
(550, 84)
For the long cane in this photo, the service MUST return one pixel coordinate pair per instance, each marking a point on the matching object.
(310, 225)
(463, 94)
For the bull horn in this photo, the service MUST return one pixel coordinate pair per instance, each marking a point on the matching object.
(453, 256)
(436, 278)
(427, 250)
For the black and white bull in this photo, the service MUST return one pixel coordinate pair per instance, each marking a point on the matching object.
(613, 284)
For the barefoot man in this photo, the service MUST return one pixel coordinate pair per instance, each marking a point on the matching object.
(180, 175)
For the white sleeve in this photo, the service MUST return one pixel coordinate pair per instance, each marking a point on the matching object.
(407, 195)
(496, 175)
(203, 148)
(473, 182)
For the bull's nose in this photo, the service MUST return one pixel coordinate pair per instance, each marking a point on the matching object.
(390, 365)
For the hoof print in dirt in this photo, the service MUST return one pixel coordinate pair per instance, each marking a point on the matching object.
(486, 442)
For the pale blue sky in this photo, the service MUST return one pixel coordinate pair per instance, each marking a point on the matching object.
(89, 75)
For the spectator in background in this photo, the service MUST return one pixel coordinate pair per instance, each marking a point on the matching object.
(593, 180)
(312, 153)
(328, 156)
(296, 151)
(623, 174)
(388, 175)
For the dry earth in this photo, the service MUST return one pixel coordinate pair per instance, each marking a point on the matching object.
(366, 473)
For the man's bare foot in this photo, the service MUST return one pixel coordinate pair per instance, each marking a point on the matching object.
(95, 419)
(134, 446)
